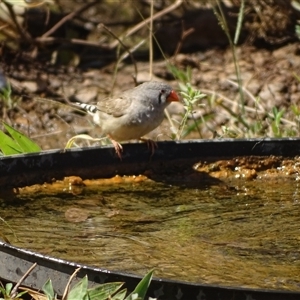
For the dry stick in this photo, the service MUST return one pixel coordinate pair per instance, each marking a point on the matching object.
(184, 34)
(14, 291)
(132, 49)
(9, 35)
(229, 101)
(3, 26)
(248, 93)
(247, 108)
(48, 15)
(68, 284)
(146, 21)
(69, 17)
(124, 46)
(51, 40)
(23, 33)
(151, 41)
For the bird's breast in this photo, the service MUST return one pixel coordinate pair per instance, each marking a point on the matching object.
(134, 124)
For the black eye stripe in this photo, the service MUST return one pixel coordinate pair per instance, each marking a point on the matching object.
(159, 98)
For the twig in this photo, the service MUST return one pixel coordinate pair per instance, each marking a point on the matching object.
(151, 41)
(237, 116)
(223, 21)
(51, 39)
(132, 49)
(69, 17)
(68, 284)
(184, 34)
(23, 33)
(231, 102)
(247, 92)
(124, 46)
(3, 26)
(247, 108)
(146, 21)
(14, 291)
(173, 128)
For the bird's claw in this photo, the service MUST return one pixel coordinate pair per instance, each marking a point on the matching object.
(150, 144)
(118, 147)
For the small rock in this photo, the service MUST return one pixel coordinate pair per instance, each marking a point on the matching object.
(176, 108)
(30, 86)
(276, 87)
(87, 94)
(283, 64)
(76, 215)
(254, 86)
(295, 98)
(258, 58)
(145, 76)
(284, 51)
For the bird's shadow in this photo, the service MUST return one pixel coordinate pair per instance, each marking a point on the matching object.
(187, 178)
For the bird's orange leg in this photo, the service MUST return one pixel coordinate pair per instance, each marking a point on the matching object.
(118, 147)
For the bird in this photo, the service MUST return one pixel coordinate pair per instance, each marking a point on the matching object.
(133, 113)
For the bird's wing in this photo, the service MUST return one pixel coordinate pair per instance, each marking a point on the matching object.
(115, 106)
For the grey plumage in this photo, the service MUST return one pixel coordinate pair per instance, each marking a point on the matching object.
(133, 113)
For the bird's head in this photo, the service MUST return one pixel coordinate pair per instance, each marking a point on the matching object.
(158, 92)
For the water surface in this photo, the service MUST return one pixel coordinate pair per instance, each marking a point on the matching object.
(236, 234)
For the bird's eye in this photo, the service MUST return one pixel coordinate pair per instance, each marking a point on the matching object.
(162, 91)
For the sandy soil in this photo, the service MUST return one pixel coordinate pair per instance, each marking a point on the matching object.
(267, 73)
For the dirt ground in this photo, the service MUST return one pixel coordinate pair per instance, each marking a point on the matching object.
(267, 70)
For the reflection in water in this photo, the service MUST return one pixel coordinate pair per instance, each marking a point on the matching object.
(244, 235)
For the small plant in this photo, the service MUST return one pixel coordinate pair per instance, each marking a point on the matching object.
(16, 142)
(12, 29)
(218, 10)
(241, 119)
(191, 97)
(13, 141)
(80, 291)
(277, 116)
(8, 293)
(7, 101)
(106, 291)
(6, 96)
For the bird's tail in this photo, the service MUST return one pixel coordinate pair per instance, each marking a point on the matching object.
(90, 108)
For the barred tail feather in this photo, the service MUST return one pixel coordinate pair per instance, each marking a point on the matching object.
(92, 109)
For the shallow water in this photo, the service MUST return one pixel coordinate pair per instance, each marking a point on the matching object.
(236, 234)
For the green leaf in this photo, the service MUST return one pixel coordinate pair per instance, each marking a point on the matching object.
(8, 288)
(103, 291)
(79, 291)
(142, 287)
(8, 146)
(48, 290)
(25, 143)
(120, 295)
(19, 295)
(2, 290)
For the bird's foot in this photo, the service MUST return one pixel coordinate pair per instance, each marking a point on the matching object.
(150, 144)
(118, 147)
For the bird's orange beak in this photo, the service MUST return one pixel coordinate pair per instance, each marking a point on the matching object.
(173, 97)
